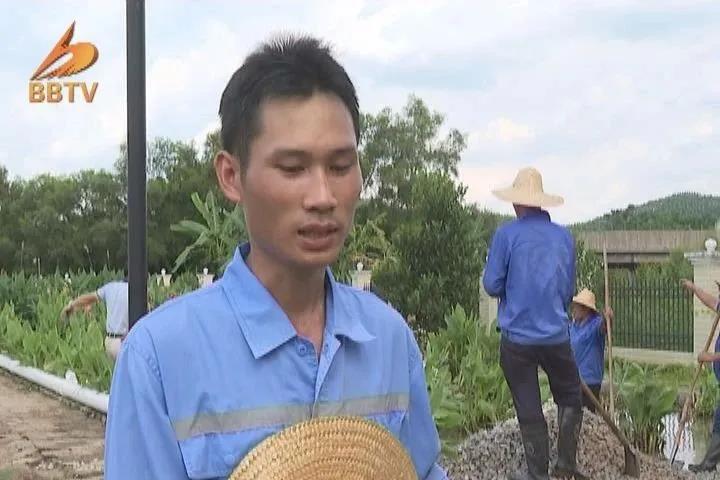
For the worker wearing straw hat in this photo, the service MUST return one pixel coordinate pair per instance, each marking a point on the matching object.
(277, 341)
(712, 454)
(531, 269)
(587, 338)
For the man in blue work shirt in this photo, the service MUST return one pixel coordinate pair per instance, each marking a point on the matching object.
(587, 338)
(712, 454)
(207, 376)
(531, 269)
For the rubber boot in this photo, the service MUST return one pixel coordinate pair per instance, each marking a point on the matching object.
(537, 452)
(569, 425)
(712, 456)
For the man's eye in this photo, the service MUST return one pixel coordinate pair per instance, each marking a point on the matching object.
(341, 168)
(291, 168)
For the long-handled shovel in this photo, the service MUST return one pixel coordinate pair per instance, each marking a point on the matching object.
(632, 465)
(608, 326)
(688, 401)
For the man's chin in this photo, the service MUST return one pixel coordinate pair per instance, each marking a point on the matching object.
(317, 259)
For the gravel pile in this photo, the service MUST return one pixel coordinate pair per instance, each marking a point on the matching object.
(496, 453)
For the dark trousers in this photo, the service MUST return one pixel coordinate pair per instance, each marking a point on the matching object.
(520, 365)
(595, 389)
(716, 420)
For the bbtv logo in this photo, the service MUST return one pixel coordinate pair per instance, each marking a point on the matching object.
(82, 55)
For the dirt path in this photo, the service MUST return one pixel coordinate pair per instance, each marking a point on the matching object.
(43, 437)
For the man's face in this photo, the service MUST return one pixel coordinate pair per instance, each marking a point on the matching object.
(302, 180)
(579, 312)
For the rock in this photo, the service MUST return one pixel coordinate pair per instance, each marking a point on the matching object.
(495, 453)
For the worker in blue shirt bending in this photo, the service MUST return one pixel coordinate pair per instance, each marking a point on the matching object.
(207, 376)
(587, 338)
(531, 270)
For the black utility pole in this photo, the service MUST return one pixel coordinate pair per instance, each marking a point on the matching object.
(136, 144)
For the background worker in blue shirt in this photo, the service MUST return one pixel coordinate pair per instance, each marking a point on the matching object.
(587, 338)
(531, 269)
(207, 376)
(712, 454)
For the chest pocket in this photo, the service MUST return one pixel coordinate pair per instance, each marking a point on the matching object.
(392, 421)
(388, 410)
(215, 455)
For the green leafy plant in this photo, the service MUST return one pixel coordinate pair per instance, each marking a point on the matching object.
(217, 238)
(365, 243)
(467, 387)
(445, 397)
(708, 395)
(36, 335)
(644, 402)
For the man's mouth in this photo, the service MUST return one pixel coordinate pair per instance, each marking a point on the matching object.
(318, 231)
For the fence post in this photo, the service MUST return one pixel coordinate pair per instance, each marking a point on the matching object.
(361, 278)
(706, 270)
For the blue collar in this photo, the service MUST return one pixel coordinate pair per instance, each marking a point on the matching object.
(536, 214)
(264, 323)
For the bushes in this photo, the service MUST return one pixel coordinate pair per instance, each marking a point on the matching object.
(708, 393)
(32, 331)
(467, 388)
(57, 347)
(644, 401)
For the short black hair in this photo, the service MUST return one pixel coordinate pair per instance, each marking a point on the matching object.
(284, 67)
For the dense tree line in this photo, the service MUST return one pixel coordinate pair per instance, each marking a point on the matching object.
(681, 211)
(413, 227)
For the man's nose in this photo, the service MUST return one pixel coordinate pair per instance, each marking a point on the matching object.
(320, 195)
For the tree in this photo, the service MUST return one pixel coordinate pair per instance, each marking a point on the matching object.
(435, 262)
(101, 233)
(396, 149)
(79, 221)
(212, 145)
(588, 269)
(676, 212)
(175, 171)
(366, 243)
(676, 268)
(8, 222)
(48, 217)
(486, 222)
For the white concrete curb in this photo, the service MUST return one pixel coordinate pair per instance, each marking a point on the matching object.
(66, 387)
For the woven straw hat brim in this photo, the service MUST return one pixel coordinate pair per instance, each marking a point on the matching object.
(328, 448)
(530, 199)
(585, 302)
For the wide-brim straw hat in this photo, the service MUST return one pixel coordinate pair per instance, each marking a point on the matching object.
(586, 298)
(328, 448)
(527, 189)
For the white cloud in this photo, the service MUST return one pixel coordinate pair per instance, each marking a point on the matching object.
(704, 128)
(611, 108)
(502, 130)
(481, 180)
(199, 138)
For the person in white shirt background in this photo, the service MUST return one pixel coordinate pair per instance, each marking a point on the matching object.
(115, 297)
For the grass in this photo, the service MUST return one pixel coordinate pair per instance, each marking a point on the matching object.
(676, 376)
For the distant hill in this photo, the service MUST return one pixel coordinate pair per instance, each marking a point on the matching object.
(681, 211)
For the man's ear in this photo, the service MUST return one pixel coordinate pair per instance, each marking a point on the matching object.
(227, 170)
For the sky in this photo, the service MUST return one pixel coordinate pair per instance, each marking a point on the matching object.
(616, 102)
